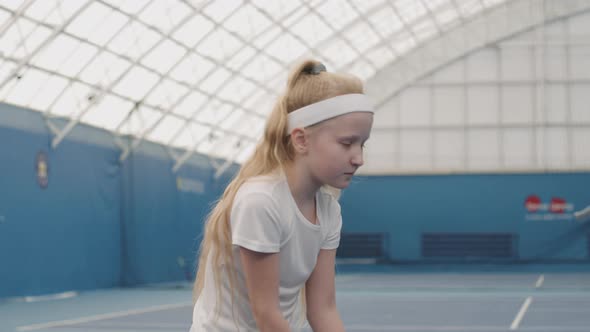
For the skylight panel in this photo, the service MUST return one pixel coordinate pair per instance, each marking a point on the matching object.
(86, 24)
(312, 29)
(339, 14)
(166, 128)
(190, 104)
(55, 54)
(386, 21)
(4, 16)
(424, 29)
(105, 69)
(287, 48)
(131, 7)
(221, 10)
(112, 24)
(362, 36)
(247, 22)
(51, 89)
(241, 59)
(164, 56)
(6, 69)
(134, 40)
(193, 69)
(166, 94)
(22, 38)
(277, 8)
(45, 11)
(12, 4)
(108, 113)
(219, 44)
(212, 83)
(262, 69)
(470, 7)
(237, 89)
(447, 16)
(72, 101)
(193, 31)
(164, 14)
(338, 49)
(27, 86)
(183, 140)
(139, 120)
(381, 56)
(136, 84)
(213, 113)
(78, 60)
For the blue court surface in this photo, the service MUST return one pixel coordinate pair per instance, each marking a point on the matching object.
(414, 300)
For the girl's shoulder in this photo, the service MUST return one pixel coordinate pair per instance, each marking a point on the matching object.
(328, 201)
(268, 184)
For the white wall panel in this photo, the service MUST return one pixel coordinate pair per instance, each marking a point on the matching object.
(387, 115)
(516, 145)
(483, 149)
(580, 99)
(556, 148)
(556, 103)
(415, 150)
(580, 60)
(517, 104)
(482, 104)
(581, 148)
(483, 65)
(516, 63)
(449, 105)
(449, 149)
(415, 107)
(454, 72)
(380, 152)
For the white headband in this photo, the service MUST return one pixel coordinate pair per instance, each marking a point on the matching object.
(327, 109)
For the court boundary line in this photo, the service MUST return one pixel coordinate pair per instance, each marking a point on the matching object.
(540, 281)
(93, 318)
(523, 309)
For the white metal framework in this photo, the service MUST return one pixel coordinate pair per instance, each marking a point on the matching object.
(203, 75)
(506, 92)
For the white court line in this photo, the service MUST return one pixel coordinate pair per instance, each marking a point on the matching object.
(540, 281)
(94, 318)
(520, 315)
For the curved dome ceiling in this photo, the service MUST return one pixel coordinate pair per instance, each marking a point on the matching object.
(196, 75)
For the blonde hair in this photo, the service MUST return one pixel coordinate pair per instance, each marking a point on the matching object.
(304, 86)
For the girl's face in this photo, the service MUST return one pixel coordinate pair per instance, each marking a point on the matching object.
(335, 149)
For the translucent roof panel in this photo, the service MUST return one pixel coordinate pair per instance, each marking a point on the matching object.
(197, 75)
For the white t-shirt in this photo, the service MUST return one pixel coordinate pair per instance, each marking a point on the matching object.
(265, 218)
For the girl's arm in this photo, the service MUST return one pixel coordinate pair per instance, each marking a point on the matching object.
(261, 272)
(320, 295)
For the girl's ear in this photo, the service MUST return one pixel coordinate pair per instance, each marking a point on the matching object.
(299, 140)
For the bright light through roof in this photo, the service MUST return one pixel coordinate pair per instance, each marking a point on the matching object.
(198, 75)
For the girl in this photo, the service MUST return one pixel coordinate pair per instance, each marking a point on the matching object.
(267, 257)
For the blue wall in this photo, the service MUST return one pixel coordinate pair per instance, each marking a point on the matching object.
(407, 206)
(99, 223)
(66, 236)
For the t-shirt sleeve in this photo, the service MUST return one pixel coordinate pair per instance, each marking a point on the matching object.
(255, 223)
(332, 240)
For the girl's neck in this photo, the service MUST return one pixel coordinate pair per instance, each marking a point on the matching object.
(301, 184)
